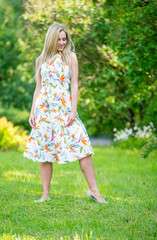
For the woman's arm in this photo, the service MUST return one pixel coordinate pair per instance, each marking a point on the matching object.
(74, 88)
(74, 82)
(36, 92)
(38, 87)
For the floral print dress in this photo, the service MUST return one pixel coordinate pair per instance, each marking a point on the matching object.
(51, 140)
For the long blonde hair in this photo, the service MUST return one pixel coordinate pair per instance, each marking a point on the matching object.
(51, 45)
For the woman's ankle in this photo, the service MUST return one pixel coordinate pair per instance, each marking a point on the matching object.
(45, 195)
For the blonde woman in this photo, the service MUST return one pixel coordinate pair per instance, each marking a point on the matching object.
(58, 134)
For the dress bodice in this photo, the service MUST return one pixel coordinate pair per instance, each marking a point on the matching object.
(55, 73)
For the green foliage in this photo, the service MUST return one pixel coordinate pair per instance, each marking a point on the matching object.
(14, 62)
(16, 116)
(9, 54)
(11, 137)
(148, 148)
(18, 94)
(116, 48)
(131, 143)
(133, 36)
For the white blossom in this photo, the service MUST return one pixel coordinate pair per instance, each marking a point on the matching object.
(125, 133)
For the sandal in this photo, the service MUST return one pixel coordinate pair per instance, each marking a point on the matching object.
(92, 197)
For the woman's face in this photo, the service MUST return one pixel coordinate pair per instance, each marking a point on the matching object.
(61, 41)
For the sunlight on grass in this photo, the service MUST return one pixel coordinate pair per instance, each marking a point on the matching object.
(10, 237)
(18, 176)
(24, 237)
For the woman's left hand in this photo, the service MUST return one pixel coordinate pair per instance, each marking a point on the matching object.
(71, 119)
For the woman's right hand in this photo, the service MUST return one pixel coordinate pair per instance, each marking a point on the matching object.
(32, 120)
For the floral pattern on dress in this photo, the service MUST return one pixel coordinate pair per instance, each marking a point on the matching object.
(52, 141)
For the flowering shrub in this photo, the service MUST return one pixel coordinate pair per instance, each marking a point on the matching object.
(11, 137)
(135, 137)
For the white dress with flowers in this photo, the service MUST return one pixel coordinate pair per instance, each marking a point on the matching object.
(51, 140)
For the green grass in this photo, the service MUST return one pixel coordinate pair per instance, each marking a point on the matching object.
(124, 179)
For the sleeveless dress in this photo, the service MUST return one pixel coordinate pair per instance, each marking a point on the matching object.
(51, 140)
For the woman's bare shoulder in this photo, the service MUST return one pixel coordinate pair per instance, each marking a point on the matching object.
(37, 60)
(73, 55)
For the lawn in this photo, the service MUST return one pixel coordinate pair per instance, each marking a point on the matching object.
(124, 179)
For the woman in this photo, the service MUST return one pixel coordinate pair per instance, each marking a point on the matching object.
(58, 133)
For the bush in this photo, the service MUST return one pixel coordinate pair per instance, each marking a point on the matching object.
(11, 137)
(148, 148)
(136, 137)
(16, 116)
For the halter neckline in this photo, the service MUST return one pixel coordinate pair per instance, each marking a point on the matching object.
(60, 53)
(55, 56)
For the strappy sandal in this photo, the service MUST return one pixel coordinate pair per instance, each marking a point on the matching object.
(92, 197)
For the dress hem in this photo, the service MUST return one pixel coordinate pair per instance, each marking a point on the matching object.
(89, 153)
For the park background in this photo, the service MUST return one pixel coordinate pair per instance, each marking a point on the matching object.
(115, 42)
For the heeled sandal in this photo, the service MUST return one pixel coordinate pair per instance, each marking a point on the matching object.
(92, 197)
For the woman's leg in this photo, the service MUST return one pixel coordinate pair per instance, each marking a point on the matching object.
(46, 169)
(87, 167)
